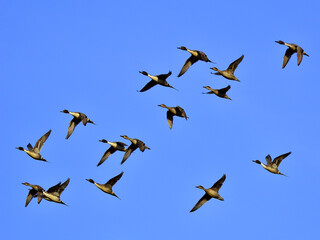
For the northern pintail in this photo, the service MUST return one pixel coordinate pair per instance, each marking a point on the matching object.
(212, 192)
(272, 166)
(219, 92)
(156, 79)
(292, 48)
(174, 111)
(229, 72)
(135, 143)
(33, 192)
(196, 55)
(34, 152)
(107, 187)
(120, 146)
(53, 193)
(77, 118)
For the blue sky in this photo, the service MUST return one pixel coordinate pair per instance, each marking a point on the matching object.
(86, 56)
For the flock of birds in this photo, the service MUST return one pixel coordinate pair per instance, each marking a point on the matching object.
(54, 192)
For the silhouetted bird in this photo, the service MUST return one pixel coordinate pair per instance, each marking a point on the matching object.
(174, 111)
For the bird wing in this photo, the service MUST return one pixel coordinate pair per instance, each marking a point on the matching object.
(40, 142)
(219, 183)
(54, 189)
(181, 112)
(164, 76)
(141, 145)
(279, 159)
(170, 118)
(115, 179)
(73, 123)
(29, 146)
(32, 193)
(84, 119)
(148, 86)
(191, 60)
(63, 186)
(224, 90)
(299, 55)
(128, 152)
(268, 160)
(233, 66)
(287, 57)
(106, 155)
(202, 201)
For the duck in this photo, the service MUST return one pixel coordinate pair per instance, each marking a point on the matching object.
(219, 92)
(292, 48)
(212, 192)
(77, 118)
(34, 152)
(107, 187)
(156, 79)
(53, 193)
(135, 143)
(120, 146)
(272, 166)
(196, 55)
(174, 111)
(229, 72)
(33, 193)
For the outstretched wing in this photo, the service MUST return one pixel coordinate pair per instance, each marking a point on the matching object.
(219, 183)
(31, 194)
(73, 123)
(40, 142)
(170, 118)
(164, 76)
(113, 181)
(202, 201)
(106, 155)
(224, 90)
(287, 57)
(191, 60)
(279, 159)
(54, 189)
(233, 66)
(128, 152)
(268, 160)
(63, 186)
(148, 86)
(299, 55)
(29, 146)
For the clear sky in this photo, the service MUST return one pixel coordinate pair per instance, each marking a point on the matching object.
(86, 56)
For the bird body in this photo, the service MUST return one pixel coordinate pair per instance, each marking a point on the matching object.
(292, 48)
(34, 152)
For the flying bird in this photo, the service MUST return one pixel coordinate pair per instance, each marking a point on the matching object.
(229, 72)
(212, 192)
(272, 166)
(53, 193)
(34, 152)
(174, 111)
(156, 79)
(219, 92)
(292, 48)
(135, 143)
(107, 187)
(77, 118)
(120, 146)
(195, 56)
(33, 192)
